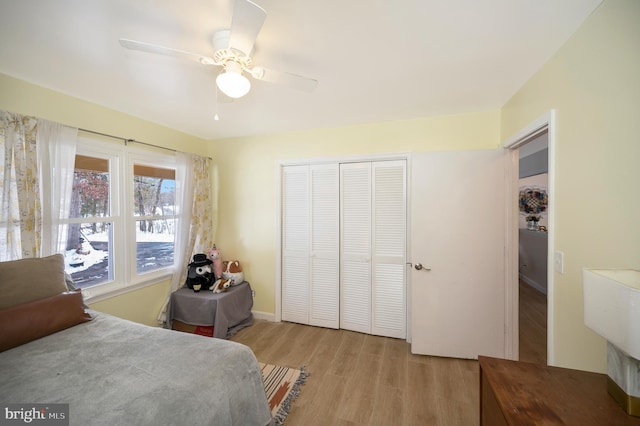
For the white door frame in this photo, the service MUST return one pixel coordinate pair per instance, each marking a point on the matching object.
(545, 123)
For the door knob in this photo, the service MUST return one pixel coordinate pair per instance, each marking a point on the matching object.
(419, 267)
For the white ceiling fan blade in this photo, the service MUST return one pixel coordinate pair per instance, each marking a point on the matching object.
(166, 51)
(246, 23)
(294, 81)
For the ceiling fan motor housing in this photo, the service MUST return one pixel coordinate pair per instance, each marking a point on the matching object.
(223, 54)
(220, 40)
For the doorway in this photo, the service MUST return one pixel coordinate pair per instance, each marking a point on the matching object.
(543, 125)
(532, 202)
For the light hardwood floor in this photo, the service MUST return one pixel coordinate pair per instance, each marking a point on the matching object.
(533, 325)
(358, 379)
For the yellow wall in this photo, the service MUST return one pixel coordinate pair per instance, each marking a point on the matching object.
(247, 170)
(21, 97)
(141, 305)
(594, 84)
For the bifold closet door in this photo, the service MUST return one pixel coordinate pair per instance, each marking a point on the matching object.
(355, 250)
(325, 246)
(295, 244)
(389, 248)
(373, 247)
(310, 245)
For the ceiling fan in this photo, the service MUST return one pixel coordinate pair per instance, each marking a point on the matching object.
(232, 51)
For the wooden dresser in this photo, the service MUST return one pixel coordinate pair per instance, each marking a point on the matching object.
(520, 393)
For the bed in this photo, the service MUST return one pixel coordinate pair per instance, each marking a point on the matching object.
(115, 372)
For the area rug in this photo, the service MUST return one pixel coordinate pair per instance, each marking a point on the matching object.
(282, 386)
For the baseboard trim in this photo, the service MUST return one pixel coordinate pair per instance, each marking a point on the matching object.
(267, 316)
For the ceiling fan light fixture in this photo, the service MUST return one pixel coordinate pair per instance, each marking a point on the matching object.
(231, 81)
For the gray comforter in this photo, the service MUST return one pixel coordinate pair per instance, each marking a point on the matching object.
(116, 372)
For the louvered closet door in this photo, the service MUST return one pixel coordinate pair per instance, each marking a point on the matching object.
(355, 252)
(325, 248)
(389, 249)
(295, 244)
(373, 248)
(310, 240)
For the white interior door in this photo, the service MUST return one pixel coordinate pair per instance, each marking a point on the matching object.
(457, 235)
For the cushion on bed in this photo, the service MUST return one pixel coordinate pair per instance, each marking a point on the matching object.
(25, 280)
(32, 320)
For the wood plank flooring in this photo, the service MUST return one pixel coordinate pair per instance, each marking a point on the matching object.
(358, 379)
(533, 325)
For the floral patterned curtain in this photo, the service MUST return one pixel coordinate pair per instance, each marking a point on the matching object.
(200, 238)
(20, 213)
(195, 231)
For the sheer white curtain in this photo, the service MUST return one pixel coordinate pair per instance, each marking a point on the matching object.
(184, 201)
(194, 233)
(56, 148)
(20, 216)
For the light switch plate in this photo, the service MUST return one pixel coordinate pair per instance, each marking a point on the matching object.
(559, 262)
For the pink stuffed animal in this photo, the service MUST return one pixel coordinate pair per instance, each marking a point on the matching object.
(216, 258)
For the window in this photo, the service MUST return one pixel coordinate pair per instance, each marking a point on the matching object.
(122, 223)
(89, 235)
(154, 208)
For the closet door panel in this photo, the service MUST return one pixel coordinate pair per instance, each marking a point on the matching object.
(389, 318)
(355, 252)
(325, 246)
(295, 289)
(355, 301)
(295, 244)
(389, 248)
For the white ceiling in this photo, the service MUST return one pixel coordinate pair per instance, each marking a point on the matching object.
(376, 60)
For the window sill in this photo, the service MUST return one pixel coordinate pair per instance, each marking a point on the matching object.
(98, 294)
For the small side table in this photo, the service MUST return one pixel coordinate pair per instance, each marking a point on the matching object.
(226, 311)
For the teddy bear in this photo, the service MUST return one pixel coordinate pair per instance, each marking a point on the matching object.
(232, 271)
(215, 257)
(199, 275)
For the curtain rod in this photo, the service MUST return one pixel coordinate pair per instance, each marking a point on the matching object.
(127, 140)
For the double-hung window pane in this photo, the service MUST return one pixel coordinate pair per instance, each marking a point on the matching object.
(154, 190)
(90, 228)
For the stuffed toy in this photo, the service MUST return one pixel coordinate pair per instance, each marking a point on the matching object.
(215, 256)
(232, 271)
(199, 275)
(221, 285)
